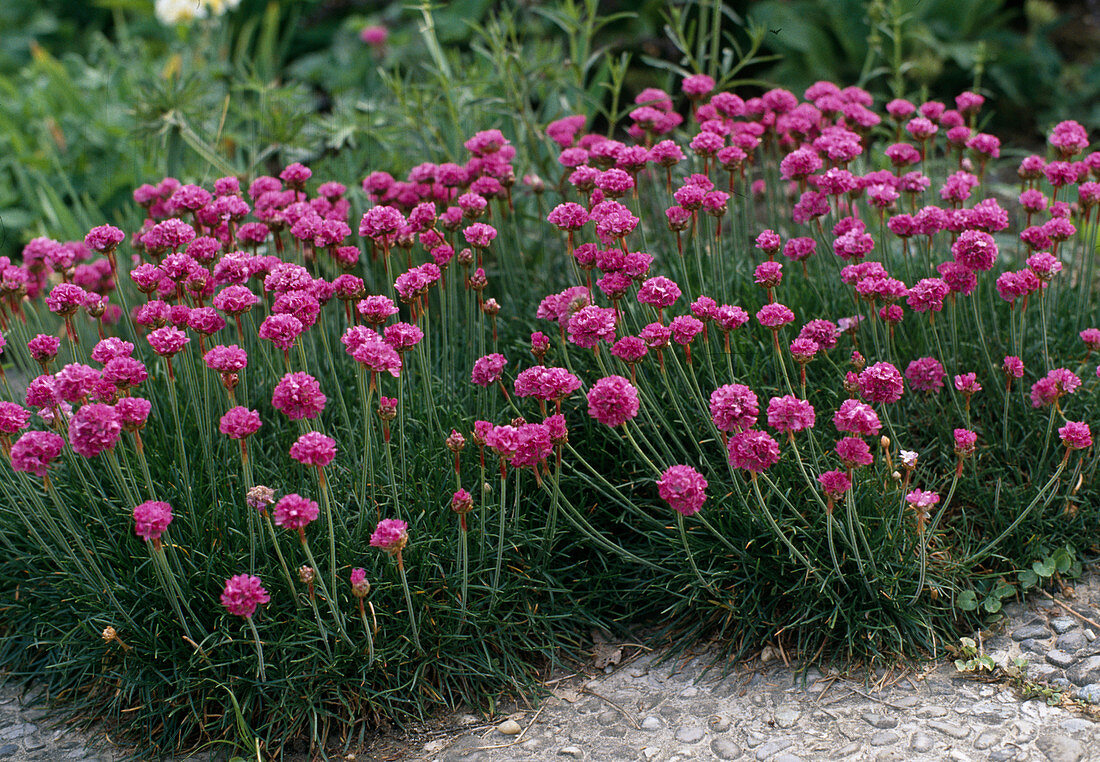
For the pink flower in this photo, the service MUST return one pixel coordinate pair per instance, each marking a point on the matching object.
(824, 332)
(881, 382)
(239, 422)
(151, 518)
(613, 401)
(243, 592)
(65, 299)
(93, 429)
(133, 412)
(125, 372)
(295, 512)
(235, 299)
(685, 328)
(298, 395)
(590, 325)
(568, 216)
(1091, 338)
(1052, 387)
(925, 375)
(835, 483)
(733, 407)
(854, 417)
(922, 500)
(488, 369)
(967, 383)
(1013, 366)
(752, 450)
(853, 452)
(975, 249)
(1076, 435)
(768, 274)
(659, 292)
(729, 317)
(928, 294)
(790, 413)
(965, 439)
(168, 340)
(104, 238)
(33, 452)
(13, 418)
(106, 350)
(374, 353)
(768, 241)
(697, 85)
(314, 449)
(683, 488)
(226, 359)
(44, 347)
(390, 535)
(774, 316)
(630, 349)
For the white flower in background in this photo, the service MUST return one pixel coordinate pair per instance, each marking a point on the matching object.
(171, 12)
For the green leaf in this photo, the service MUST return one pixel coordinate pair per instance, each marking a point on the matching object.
(991, 604)
(1028, 579)
(1062, 560)
(968, 601)
(1044, 568)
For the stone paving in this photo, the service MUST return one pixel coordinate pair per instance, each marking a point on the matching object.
(677, 711)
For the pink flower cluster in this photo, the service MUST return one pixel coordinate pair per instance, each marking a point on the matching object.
(683, 488)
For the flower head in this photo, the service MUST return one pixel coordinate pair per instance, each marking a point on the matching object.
(314, 449)
(753, 451)
(790, 413)
(242, 594)
(488, 369)
(683, 488)
(881, 382)
(259, 497)
(239, 422)
(1075, 435)
(733, 407)
(295, 512)
(390, 535)
(93, 429)
(298, 395)
(151, 518)
(835, 483)
(853, 452)
(34, 451)
(613, 401)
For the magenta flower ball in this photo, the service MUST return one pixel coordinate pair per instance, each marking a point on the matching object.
(242, 594)
(1076, 435)
(753, 451)
(93, 429)
(295, 512)
(151, 518)
(390, 535)
(683, 488)
(239, 422)
(613, 401)
(314, 449)
(33, 452)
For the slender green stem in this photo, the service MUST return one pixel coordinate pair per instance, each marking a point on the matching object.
(259, 648)
(409, 602)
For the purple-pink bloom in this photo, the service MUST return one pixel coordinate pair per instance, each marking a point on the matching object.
(243, 592)
(774, 316)
(298, 395)
(239, 422)
(151, 518)
(1076, 435)
(881, 382)
(752, 450)
(855, 417)
(488, 369)
(613, 401)
(683, 488)
(790, 413)
(314, 449)
(295, 512)
(733, 407)
(93, 429)
(835, 483)
(390, 535)
(925, 374)
(853, 452)
(33, 452)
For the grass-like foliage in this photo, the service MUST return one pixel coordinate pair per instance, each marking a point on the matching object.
(295, 458)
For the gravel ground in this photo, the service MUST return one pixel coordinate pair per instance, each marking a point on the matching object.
(677, 711)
